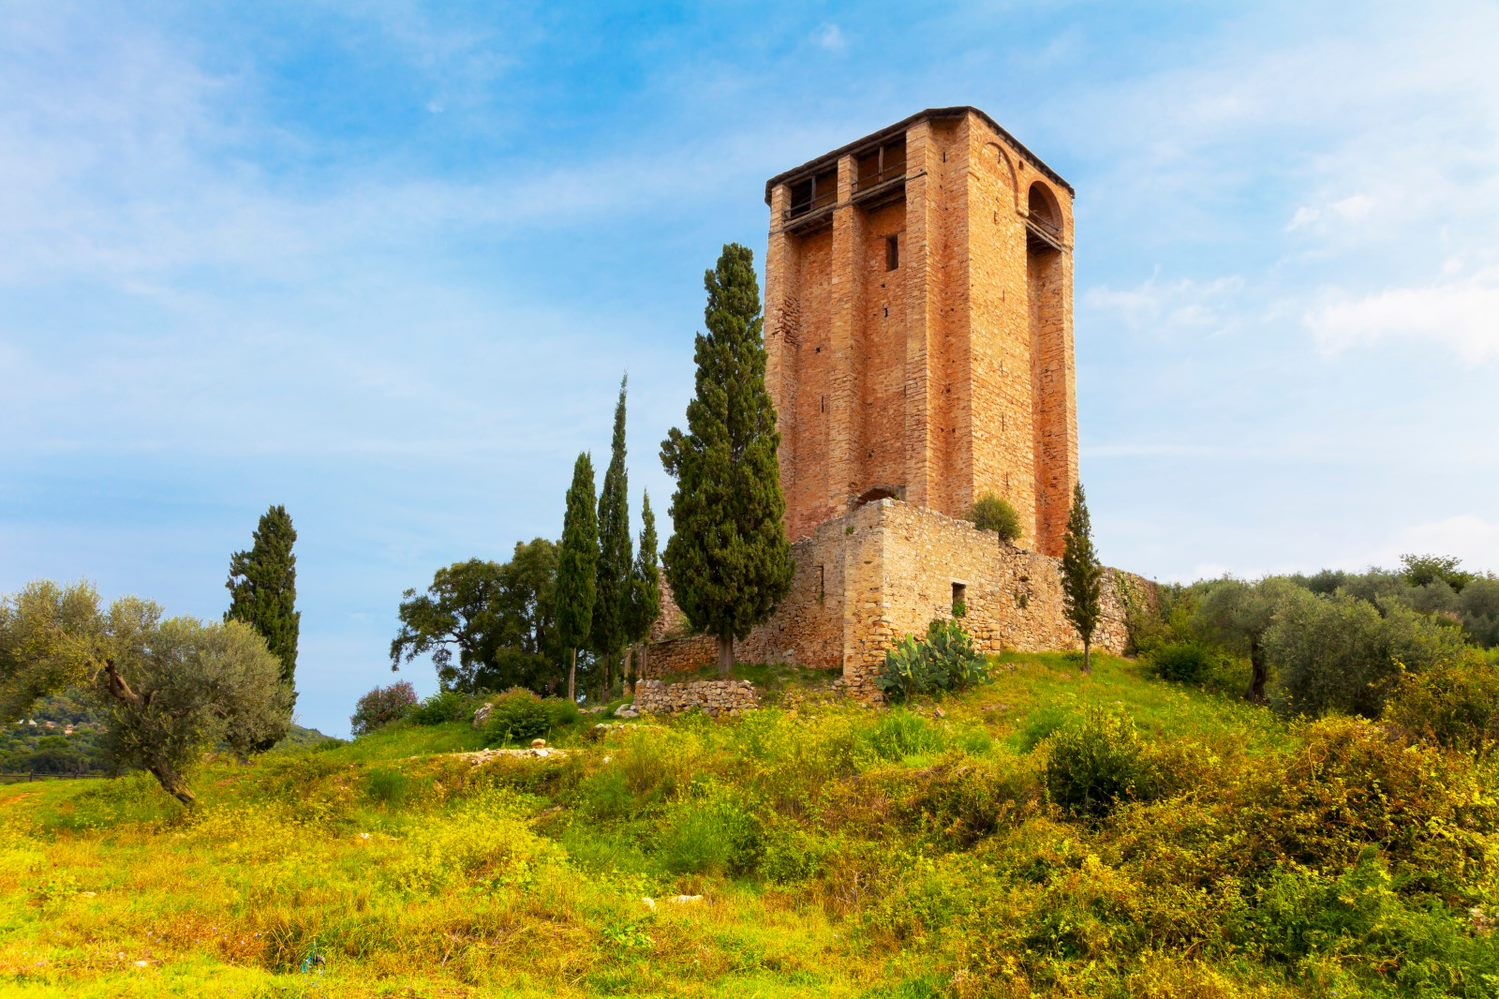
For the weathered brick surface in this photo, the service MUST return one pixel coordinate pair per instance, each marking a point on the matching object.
(946, 377)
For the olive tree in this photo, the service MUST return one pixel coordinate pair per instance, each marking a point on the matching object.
(169, 689)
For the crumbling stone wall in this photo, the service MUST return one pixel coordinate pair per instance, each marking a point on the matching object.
(884, 571)
(715, 697)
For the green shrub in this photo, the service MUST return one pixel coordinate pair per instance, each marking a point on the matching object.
(1351, 786)
(1097, 763)
(1039, 726)
(900, 734)
(387, 786)
(1182, 662)
(1357, 919)
(517, 716)
(442, 707)
(715, 833)
(562, 713)
(382, 706)
(1456, 707)
(993, 513)
(943, 662)
(961, 800)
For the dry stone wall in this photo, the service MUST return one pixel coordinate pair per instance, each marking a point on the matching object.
(714, 697)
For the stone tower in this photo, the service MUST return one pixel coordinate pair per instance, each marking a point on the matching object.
(919, 326)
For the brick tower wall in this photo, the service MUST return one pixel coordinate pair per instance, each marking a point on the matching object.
(945, 377)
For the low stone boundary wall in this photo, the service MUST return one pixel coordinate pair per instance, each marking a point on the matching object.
(714, 697)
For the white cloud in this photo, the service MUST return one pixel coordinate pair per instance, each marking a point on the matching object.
(1171, 306)
(831, 38)
(1472, 538)
(1353, 208)
(1460, 315)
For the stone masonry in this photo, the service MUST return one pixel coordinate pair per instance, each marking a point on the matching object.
(884, 571)
(715, 697)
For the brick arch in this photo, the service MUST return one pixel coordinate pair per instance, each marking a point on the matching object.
(1043, 207)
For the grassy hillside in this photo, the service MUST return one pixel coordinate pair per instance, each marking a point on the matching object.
(838, 850)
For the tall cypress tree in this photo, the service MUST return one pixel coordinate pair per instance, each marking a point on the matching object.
(728, 561)
(645, 588)
(263, 593)
(615, 554)
(1082, 575)
(577, 567)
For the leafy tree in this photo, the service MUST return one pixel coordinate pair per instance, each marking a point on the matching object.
(170, 689)
(1420, 570)
(381, 706)
(458, 613)
(1082, 575)
(729, 561)
(612, 605)
(1340, 653)
(528, 600)
(1480, 610)
(577, 568)
(498, 619)
(263, 593)
(191, 688)
(645, 588)
(1237, 615)
(994, 513)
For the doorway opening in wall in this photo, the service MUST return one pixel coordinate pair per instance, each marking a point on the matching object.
(959, 599)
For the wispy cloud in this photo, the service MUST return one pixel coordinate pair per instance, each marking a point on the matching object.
(1460, 315)
(1163, 307)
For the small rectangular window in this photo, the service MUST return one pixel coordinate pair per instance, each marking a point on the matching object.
(821, 591)
(892, 252)
(959, 599)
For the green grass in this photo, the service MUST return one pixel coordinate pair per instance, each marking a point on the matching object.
(840, 850)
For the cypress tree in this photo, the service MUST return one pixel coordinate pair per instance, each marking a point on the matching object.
(615, 556)
(728, 561)
(263, 594)
(1082, 575)
(577, 567)
(645, 587)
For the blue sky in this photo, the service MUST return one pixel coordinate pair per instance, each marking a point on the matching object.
(385, 262)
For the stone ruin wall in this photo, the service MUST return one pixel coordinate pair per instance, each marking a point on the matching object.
(885, 571)
(715, 697)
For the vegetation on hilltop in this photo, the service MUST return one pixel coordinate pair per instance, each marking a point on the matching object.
(1046, 834)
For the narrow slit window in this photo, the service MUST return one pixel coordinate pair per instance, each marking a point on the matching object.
(959, 599)
(892, 252)
(821, 581)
